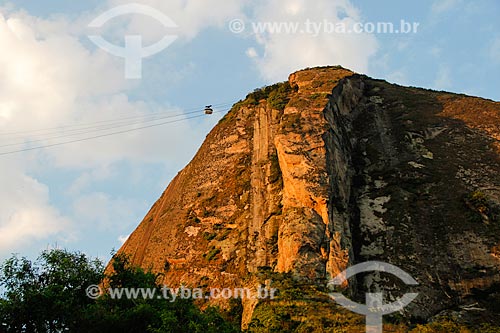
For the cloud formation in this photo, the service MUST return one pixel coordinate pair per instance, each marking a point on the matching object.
(280, 53)
(25, 210)
(495, 50)
(51, 75)
(284, 53)
(191, 16)
(50, 78)
(443, 78)
(441, 6)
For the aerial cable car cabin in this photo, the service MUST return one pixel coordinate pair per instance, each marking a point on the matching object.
(208, 109)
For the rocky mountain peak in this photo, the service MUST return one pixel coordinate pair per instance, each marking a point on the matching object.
(304, 178)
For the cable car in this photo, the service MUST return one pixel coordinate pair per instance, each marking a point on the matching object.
(208, 109)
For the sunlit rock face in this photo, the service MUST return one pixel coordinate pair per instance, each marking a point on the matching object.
(330, 169)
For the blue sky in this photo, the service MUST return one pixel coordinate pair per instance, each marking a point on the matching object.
(90, 195)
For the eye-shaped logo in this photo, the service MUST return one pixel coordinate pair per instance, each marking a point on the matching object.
(133, 52)
(374, 309)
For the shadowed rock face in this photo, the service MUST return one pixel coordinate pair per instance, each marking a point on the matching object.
(330, 169)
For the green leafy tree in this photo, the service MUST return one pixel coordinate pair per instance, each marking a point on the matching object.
(47, 295)
(157, 315)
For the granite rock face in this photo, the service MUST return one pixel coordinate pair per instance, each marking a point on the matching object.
(329, 169)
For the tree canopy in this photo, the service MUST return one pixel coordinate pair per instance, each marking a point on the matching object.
(49, 295)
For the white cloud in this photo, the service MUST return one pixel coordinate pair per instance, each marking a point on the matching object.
(86, 178)
(104, 212)
(403, 45)
(441, 6)
(123, 238)
(49, 78)
(43, 76)
(398, 77)
(25, 211)
(191, 16)
(436, 51)
(282, 53)
(443, 79)
(495, 50)
(252, 52)
(287, 52)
